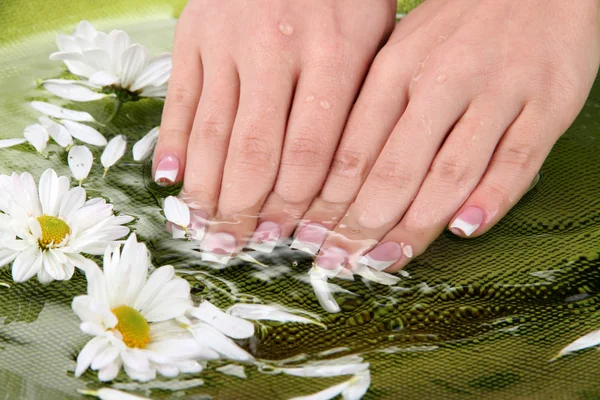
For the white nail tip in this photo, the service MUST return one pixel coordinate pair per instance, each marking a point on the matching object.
(309, 248)
(266, 246)
(169, 175)
(464, 227)
(217, 258)
(375, 264)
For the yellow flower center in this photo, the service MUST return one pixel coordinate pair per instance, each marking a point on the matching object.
(54, 230)
(133, 327)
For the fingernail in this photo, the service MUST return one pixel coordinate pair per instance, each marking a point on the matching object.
(197, 227)
(167, 170)
(310, 238)
(218, 247)
(332, 260)
(383, 256)
(467, 221)
(265, 237)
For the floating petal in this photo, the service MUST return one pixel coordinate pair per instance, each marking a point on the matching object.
(260, 312)
(80, 162)
(73, 92)
(177, 211)
(84, 133)
(588, 340)
(38, 136)
(115, 149)
(144, 147)
(55, 111)
(4, 143)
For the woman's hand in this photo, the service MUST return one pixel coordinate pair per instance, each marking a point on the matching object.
(456, 116)
(259, 97)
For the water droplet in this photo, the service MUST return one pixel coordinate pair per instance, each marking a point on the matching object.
(286, 28)
(325, 105)
(310, 97)
(441, 78)
(294, 263)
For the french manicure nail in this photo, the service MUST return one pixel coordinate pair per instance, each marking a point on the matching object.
(467, 221)
(332, 260)
(310, 238)
(218, 247)
(167, 170)
(383, 256)
(265, 237)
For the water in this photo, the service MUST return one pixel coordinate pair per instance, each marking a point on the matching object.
(478, 318)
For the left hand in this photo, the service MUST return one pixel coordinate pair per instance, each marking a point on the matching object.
(457, 114)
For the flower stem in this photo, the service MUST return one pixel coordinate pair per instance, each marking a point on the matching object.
(118, 104)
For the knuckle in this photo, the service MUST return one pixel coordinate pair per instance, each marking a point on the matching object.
(181, 96)
(451, 170)
(394, 174)
(199, 197)
(212, 131)
(351, 165)
(522, 156)
(309, 151)
(255, 153)
(496, 193)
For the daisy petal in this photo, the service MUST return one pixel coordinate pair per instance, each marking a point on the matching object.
(326, 394)
(259, 312)
(102, 78)
(376, 276)
(588, 340)
(229, 325)
(134, 59)
(72, 201)
(321, 288)
(27, 264)
(57, 132)
(144, 147)
(84, 133)
(156, 73)
(112, 394)
(73, 92)
(4, 143)
(60, 112)
(358, 386)
(37, 136)
(80, 162)
(89, 352)
(177, 211)
(50, 192)
(323, 371)
(153, 285)
(109, 373)
(217, 341)
(115, 149)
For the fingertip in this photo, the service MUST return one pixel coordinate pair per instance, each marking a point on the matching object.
(168, 169)
(467, 222)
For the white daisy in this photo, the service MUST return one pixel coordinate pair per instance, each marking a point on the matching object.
(110, 60)
(45, 233)
(146, 324)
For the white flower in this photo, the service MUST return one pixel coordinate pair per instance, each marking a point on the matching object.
(112, 60)
(80, 162)
(182, 223)
(353, 389)
(144, 147)
(115, 149)
(46, 233)
(133, 318)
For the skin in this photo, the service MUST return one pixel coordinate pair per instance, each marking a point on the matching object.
(457, 111)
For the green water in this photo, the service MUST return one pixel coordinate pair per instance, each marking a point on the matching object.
(475, 319)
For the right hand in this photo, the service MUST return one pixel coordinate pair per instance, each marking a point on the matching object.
(259, 96)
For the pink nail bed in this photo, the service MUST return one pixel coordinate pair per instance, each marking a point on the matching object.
(332, 260)
(167, 170)
(310, 238)
(467, 221)
(265, 237)
(218, 247)
(383, 256)
(197, 227)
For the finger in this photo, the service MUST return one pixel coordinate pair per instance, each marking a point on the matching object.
(513, 168)
(455, 172)
(210, 136)
(381, 103)
(253, 156)
(321, 104)
(399, 171)
(185, 87)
